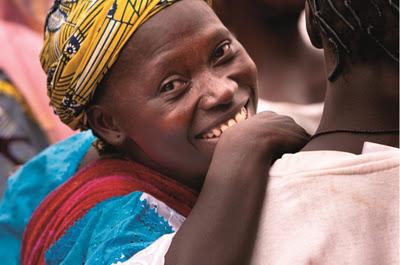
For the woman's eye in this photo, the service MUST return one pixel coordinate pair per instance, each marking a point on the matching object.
(222, 50)
(173, 85)
(168, 87)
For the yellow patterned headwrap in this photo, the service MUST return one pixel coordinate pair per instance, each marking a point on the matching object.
(82, 41)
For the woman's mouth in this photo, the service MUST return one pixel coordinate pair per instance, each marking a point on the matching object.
(218, 130)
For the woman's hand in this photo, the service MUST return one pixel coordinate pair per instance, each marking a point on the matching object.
(266, 135)
(221, 227)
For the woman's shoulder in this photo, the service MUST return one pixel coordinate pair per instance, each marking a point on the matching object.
(51, 167)
(32, 182)
(114, 230)
(106, 208)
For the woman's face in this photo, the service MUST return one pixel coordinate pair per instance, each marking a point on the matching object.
(180, 80)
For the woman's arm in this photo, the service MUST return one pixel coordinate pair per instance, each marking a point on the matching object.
(221, 227)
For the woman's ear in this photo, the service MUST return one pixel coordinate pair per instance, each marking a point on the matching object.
(104, 125)
(313, 30)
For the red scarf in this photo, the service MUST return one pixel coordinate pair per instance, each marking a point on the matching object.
(98, 182)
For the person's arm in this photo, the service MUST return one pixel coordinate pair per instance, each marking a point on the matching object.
(221, 227)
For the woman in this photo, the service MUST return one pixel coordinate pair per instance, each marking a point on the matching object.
(163, 115)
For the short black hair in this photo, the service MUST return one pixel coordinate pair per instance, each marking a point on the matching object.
(359, 29)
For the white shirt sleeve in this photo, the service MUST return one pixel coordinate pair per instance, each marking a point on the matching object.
(153, 254)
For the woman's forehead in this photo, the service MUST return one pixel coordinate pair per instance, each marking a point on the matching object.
(176, 23)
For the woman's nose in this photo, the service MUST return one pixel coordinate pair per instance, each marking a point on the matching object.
(217, 91)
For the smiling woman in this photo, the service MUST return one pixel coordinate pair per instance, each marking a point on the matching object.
(188, 82)
(160, 83)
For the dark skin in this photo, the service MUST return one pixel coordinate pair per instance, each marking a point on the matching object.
(200, 77)
(289, 70)
(166, 90)
(364, 97)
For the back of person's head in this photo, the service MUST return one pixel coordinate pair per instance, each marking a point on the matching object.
(357, 31)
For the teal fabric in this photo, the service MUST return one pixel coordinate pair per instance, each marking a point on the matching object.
(98, 239)
(31, 184)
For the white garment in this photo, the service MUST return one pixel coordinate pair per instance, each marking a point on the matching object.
(154, 254)
(329, 207)
(307, 116)
(323, 207)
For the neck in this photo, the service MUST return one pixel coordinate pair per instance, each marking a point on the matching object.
(364, 100)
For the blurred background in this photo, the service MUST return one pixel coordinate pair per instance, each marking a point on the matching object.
(27, 123)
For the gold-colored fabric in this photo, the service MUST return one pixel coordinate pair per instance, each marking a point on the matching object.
(82, 41)
(6, 88)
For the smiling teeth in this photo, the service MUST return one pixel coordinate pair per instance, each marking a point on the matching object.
(218, 130)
